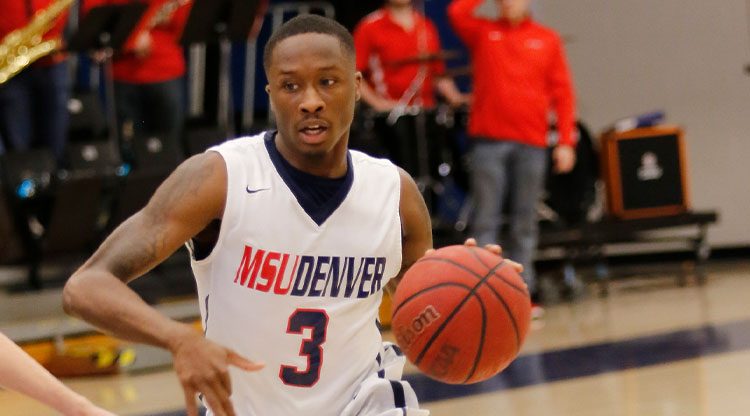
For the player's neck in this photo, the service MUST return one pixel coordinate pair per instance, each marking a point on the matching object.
(403, 15)
(331, 164)
(517, 20)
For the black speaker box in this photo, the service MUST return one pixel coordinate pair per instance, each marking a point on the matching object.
(644, 171)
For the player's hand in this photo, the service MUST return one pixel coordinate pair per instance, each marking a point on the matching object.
(563, 158)
(495, 248)
(99, 56)
(384, 105)
(143, 45)
(462, 100)
(203, 367)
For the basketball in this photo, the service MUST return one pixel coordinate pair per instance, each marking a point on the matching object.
(461, 314)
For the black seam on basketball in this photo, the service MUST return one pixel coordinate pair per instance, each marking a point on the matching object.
(502, 301)
(510, 315)
(415, 294)
(473, 273)
(455, 310)
(497, 295)
(454, 263)
(478, 356)
(473, 251)
(511, 284)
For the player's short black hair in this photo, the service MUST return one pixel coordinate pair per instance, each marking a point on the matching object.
(307, 23)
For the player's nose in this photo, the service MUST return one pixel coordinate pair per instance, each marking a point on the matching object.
(311, 102)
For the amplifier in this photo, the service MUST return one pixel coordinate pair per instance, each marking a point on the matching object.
(644, 171)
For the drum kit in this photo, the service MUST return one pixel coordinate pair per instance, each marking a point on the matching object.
(417, 138)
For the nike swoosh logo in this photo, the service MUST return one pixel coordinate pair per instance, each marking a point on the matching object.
(252, 191)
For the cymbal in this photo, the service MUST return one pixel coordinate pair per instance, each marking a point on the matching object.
(442, 55)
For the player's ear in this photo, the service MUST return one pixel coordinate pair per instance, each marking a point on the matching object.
(358, 84)
(268, 89)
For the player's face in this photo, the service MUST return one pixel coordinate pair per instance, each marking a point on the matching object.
(313, 85)
(513, 10)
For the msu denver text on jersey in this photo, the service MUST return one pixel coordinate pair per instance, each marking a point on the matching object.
(296, 275)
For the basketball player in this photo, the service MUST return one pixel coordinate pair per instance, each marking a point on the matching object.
(292, 238)
(21, 373)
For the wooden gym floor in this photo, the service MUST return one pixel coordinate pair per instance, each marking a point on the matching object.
(650, 348)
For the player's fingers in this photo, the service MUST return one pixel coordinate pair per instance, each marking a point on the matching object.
(243, 363)
(471, 241)
(517, 266)
(495, 248)
(429, 251)
(217, 398)
(226, 382)
(190, 406)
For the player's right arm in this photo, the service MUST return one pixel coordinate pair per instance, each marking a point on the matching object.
(364, 47)
(188, 200)
(465, 23)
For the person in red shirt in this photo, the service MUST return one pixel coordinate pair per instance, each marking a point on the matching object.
(520, 74)
(398, 52)
(148, 73)
(33, 103)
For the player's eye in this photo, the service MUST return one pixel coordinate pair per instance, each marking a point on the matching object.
(290, 86)
(327, 82)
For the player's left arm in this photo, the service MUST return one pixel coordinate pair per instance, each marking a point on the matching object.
(563, 98)
(23, 374)
(416, 228)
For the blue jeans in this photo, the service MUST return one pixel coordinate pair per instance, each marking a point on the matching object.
(507, 169)
(34, 109)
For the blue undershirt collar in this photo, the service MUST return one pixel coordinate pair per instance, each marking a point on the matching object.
(317, 195)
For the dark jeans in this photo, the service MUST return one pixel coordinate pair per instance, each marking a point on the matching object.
(34, 109)
(501, 169)
(150, 110)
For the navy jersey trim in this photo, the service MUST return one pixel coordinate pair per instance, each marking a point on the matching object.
(397, 350)
(399, 399)
(205, 324)
(299, 183)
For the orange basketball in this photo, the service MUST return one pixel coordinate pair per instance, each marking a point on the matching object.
(461, 314)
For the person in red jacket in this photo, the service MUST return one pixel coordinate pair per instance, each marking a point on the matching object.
(148, 73)
(33, 104)
(519, 74)
(395, 44)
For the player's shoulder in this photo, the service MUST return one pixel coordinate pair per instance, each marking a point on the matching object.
(243, 142)
(372, 18)
(363, 159)
(545, 31)
(241, 146)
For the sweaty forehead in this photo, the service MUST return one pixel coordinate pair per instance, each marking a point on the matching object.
(317, 49)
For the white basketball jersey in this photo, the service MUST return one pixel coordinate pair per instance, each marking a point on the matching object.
(301, 297)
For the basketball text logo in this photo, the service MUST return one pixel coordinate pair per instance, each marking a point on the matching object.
(444, 360)
(312, 276)
(405, 334)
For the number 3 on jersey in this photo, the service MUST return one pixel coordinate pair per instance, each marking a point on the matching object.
(317, 321)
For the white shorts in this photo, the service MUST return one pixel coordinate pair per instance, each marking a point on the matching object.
(384, 393)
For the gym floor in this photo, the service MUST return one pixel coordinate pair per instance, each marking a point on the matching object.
(652, 347)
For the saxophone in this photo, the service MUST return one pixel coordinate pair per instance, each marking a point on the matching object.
(21, 47)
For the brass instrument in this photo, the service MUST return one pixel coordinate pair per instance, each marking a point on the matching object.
(23, 46)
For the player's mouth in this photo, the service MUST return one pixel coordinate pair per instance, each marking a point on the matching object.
(313, 132)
